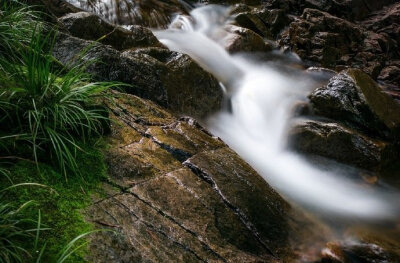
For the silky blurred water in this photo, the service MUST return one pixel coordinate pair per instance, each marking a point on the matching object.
(261, 99)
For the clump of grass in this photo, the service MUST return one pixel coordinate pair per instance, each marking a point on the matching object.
(15, 227)
(11, 232)
(49, 109)
(17, 22)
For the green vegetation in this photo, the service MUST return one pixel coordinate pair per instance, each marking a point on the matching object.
(11, 230)
(17, 22)
(49, 122)
(48, 110)
(60, 203)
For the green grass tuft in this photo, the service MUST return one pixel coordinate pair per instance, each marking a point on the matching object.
(17, 22)
(46, 110)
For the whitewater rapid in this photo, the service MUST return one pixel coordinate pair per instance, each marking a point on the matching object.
(262, 99)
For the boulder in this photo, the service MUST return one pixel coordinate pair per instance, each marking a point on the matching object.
(360, 244)
(182, 195)
(148, 13)
(169, 78)
(319, 37)
(55, 8)
(386, 21)
(89, 26)
(244, 40)
(331, 140)
(266, 22)
(391, 75)
(352, 10)
(352, 96)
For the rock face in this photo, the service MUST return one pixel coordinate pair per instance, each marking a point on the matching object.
(244, 40)
(327, 36)
(264, 21)
(168, 78)
(182, 195)
(354, 97)
(334, 141)
(149, 13)
(91, 27)
(349, 9)
(370, 246)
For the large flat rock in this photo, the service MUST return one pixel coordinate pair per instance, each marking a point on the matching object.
(181, 195)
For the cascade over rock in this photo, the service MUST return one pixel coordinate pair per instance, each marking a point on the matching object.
(178, 193)
(182, 195)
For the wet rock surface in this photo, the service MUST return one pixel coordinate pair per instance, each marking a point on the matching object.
(264, 21)
(354, 97)
(331, 140)
(179, 194)
(362, 128)
(171, 79)
(364, 245)
(89, 26)
(149, 13)
(333, 39)
(244, 40)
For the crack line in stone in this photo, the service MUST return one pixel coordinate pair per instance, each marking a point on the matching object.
(236, 210)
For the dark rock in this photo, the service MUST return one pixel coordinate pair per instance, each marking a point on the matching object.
(301, 108)
(242, 190)
(364, 245)
(334, 141)
(354, 97)
(391, 74)
(55, 8)
(336, 43)
(171, 79)
(91, 27)
(265, 22)
(231, 2)
(343, 252)
(321, 37)
(148, 13)
(385, 21)
(213, 207)
(244, 40)
(349, 9)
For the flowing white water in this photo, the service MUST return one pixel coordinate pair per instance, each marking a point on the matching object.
(261, 100)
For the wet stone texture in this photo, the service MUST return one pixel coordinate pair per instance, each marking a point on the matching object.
(181, 195)
(171, 79)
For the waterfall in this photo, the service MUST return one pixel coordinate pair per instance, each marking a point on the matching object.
(262, 98)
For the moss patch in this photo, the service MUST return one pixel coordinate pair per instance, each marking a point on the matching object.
(61, 206)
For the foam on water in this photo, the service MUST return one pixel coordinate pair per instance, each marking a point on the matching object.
(261, 99)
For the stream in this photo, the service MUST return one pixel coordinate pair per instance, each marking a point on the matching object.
(262, 92)
(260, 98)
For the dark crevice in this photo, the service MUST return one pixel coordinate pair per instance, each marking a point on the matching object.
(178, 154)
(243, 218)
